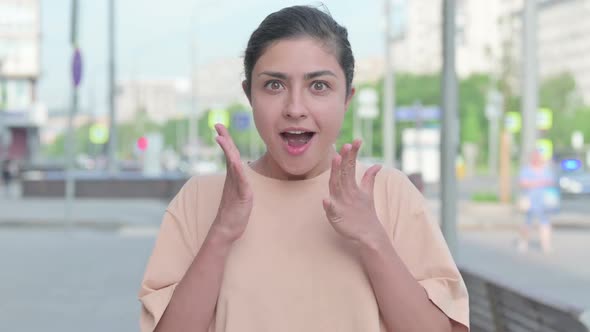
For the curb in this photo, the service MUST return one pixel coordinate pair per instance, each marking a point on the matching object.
(104, 225)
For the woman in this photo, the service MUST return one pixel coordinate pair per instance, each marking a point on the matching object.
(301, 239)
(535, 181)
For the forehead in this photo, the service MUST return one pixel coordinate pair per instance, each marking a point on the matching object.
(299, 55)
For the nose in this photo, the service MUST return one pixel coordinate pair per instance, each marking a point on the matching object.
(295, 108)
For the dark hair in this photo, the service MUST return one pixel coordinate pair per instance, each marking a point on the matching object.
(294, 22)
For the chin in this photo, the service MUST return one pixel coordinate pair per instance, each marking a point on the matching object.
(297, 168)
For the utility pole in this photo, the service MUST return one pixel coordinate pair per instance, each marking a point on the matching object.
(70, 143)
(193, 120)
(113, 166)
(494, 107)
(449, 128)
(2, 129)
(388, 94)
(530, 81)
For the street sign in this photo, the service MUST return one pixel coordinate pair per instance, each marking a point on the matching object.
(577, 140)
(218, 116)
(99, 134)
(545, 147)
(241, 121)
(368, 104)
(413, 113)
(77, 68)
(544, 119)
(494, 104)
(513, 122)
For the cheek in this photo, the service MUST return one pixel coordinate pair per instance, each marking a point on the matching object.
(265, 115)
(330, 119)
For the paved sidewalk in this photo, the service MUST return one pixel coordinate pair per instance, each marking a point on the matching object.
(473, 215)
(562, 276)
(114, 213)
(92, 213)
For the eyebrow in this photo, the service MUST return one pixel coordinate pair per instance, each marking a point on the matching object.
(306, 76)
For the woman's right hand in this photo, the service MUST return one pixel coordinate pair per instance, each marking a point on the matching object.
(236, 200)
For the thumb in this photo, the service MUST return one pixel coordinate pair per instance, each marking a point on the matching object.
(368, 181)
(331, 211)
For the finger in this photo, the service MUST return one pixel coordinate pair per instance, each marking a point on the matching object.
(346, 167)
(350, 166)
(223, 143)
(230, 157)
(221, 130)
(231, 146)
(334, 182)
(240, 176)
(331, 211)
(368, 181)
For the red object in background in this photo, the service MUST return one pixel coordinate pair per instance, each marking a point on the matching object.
(18, 147)
(142, 143)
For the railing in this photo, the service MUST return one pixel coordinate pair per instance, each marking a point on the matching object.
(496, 307)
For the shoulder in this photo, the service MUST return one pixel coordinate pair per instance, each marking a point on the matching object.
(395, 183)
(196, 188)
(394, 192)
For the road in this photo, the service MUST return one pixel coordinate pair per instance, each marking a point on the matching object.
(87, 280)
(80, 281)
(467, 187)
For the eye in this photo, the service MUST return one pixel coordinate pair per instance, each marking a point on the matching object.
(319, 86)
(274, 85)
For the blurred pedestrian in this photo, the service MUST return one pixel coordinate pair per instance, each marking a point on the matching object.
(8, 175)
(536, 179)
(302, 239)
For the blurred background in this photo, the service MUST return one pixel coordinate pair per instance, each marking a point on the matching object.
(107, 108)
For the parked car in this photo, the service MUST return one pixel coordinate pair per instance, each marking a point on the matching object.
(574, 178)
(575, 182)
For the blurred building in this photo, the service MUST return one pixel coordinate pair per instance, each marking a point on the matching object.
(368, 69)
(564, 41)
(417, 26)
(160, 99)
(218, 84)
(563, 35)
(57, 123)
(21, 114)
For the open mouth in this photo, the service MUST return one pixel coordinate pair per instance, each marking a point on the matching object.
(297, 138)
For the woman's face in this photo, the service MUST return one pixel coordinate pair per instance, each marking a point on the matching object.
(298, 97)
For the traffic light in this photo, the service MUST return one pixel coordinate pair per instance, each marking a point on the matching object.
(142, 143)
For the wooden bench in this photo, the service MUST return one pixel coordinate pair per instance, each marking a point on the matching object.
(496, 307)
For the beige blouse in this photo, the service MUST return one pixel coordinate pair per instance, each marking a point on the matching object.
(290, 270)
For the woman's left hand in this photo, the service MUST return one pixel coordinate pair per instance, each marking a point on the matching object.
(350, 208)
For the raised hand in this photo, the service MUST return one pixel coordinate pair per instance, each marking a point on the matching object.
(350, 208)
(236, 200)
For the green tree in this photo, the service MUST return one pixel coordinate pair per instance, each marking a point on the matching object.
(556, 91)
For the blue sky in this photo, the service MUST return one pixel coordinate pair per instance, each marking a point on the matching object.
(154, 36)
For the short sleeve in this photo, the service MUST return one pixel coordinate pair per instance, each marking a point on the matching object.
(171, 257)
(421, 246)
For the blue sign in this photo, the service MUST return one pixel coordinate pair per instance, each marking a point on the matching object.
(413, 113)
(77, 68)
(241, 121)
(571, 164)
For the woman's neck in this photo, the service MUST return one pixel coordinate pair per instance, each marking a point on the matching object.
(267, 166)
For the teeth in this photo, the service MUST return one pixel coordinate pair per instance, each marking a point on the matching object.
(296, 132)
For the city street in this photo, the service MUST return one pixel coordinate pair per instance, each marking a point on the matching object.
(104, 115)
(486, 184)
(52, 280)
(87, 280)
